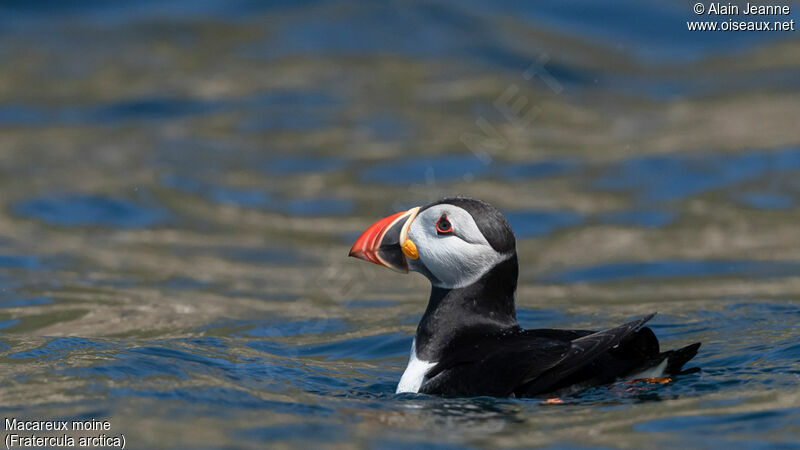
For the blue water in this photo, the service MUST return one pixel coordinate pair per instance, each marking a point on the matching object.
(181, 183)
(676, 269)
(89, 210)
(326, 385)
(668, 178)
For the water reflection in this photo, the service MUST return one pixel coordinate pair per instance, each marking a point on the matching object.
(181, 183)
(89, 210)
(670, 178)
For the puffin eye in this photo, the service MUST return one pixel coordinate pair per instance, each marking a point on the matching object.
(443, 226)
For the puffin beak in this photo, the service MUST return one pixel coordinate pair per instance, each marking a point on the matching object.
(386, 243)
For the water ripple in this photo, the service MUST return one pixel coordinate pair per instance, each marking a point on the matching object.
(89, 210)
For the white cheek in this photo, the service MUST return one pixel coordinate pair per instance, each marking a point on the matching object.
(454, 262)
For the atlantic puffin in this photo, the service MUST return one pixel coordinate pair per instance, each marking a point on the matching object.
(468, 342)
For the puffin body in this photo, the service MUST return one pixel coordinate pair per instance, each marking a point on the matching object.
(468, 342)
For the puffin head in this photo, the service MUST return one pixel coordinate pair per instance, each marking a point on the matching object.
(453, 242)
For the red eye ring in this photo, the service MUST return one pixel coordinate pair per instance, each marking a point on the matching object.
(443, 225)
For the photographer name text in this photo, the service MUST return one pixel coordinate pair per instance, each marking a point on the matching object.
(730, 9)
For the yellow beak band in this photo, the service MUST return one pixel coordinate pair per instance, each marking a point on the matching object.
(410, 250)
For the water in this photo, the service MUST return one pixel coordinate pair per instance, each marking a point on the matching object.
(181, 183)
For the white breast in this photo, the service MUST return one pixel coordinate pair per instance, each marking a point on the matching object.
(415, 372)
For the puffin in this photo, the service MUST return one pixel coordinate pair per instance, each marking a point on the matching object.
(468, 342)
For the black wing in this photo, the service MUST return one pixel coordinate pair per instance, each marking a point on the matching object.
(500, 364)
(583, 351)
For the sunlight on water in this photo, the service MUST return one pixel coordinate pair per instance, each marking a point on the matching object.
(181, 183)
